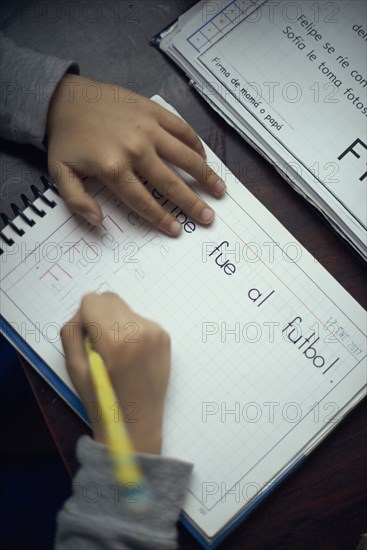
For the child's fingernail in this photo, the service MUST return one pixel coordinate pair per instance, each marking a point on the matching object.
(91, 218)
(207, 215)
(219, 187)
(175, 228)
(203, 153)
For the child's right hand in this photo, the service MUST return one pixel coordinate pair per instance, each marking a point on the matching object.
(136, 352)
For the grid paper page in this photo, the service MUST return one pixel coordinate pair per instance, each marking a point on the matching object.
(257, 342)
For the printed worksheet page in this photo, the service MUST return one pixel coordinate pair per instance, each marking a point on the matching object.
(293, 75)
(268, 350)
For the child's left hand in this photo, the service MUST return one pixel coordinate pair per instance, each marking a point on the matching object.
(118, 135)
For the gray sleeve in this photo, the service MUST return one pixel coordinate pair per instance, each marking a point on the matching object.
(29, 80)
(100, 515)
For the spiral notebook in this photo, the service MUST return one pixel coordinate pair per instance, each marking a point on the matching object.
(268, 350)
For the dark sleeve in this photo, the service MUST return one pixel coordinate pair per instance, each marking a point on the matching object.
(28, 82)
(100, 515)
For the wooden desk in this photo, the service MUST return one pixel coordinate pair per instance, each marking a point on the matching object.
(324, 504)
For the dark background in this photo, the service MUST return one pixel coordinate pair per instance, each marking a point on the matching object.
(324, 504)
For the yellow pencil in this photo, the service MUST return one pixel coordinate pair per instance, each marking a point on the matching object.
(118, 441)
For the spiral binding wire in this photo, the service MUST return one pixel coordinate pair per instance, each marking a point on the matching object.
(27, 202)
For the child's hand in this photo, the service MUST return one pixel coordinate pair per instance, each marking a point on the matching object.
(136, 352)
(114, 134)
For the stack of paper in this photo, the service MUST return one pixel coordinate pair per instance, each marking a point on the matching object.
(291, 79)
